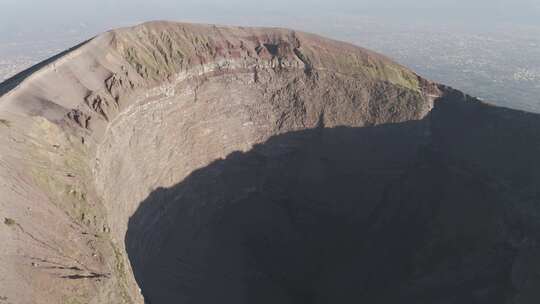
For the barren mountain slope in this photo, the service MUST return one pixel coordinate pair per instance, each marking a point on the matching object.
(203, 164)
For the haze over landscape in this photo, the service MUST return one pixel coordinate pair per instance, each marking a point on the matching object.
(303, 153)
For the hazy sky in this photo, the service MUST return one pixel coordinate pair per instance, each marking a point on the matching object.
(52, 15)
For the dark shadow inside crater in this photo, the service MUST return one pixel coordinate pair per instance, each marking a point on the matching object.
(329, 215)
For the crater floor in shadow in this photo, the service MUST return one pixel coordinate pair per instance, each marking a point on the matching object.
(387, 214)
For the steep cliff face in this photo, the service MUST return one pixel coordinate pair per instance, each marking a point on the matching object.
(198, 163)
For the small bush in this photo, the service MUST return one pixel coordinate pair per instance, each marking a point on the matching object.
(5, 122)
(9, 221)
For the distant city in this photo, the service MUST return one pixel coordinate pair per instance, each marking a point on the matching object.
(18, 55)
(499, 65)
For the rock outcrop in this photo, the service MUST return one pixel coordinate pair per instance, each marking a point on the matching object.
(184, 163)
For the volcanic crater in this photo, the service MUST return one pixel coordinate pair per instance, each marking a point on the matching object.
(183, 163)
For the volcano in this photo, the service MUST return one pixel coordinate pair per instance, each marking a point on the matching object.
(184, 163)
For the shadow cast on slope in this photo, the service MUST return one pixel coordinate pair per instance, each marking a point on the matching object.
(344, 215)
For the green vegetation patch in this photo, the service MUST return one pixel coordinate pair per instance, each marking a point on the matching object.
(121, 273)
(360, 65)
(5, 122)
(9, 221)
